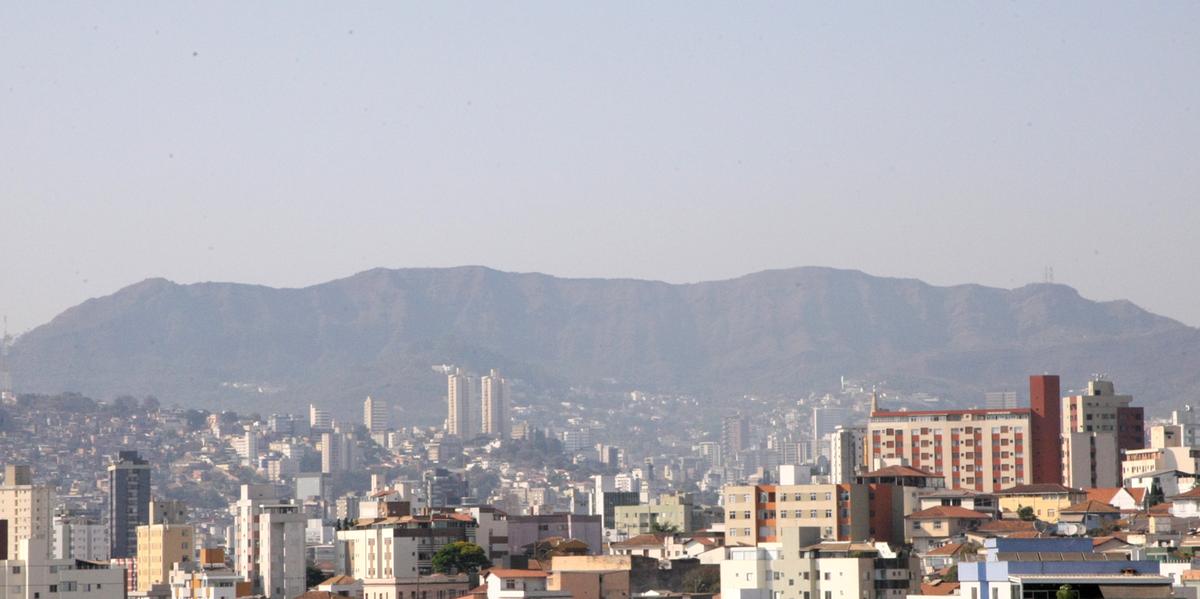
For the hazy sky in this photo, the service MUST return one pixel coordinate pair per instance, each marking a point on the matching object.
(289, 144)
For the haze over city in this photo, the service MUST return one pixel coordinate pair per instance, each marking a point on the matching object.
(290, 145)
(603, 300)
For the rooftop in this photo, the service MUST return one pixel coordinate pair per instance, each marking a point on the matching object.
(1040, 489)
(1091, 506)
(945, 512)
(514, 573)
(901, 471)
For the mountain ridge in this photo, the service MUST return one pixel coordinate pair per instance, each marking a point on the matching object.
(772, 331)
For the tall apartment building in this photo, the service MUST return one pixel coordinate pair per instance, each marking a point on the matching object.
(1045, 424)
(462, 394)
(495, 405)
(757, 513)
(28, 510)
(984, 450)
(319, 419)
(269, 542)
(159, 548)
(400, 547)
(825, 419)
(735, 435)
(339, 452)
(78, 536)
(1000, 400)
(128, 502)
(1096, 426)
(668, 511)
(847, 453)
(281, 551)
(375, 415)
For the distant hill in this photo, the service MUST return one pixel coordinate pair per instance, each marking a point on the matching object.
(792, 330)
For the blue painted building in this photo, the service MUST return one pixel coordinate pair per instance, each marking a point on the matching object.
(1037, 568)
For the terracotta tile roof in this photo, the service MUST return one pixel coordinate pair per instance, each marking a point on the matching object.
(938, 587)
(646, 540)
(1139, 494)
(901, 471)
(1025, 534)
(340, 579)
(948, 511)
(1190, 575)
(1193, 494)
(947, 549)
(514, 573)
(1091, 506)
(1162, 509)
(1104, 494)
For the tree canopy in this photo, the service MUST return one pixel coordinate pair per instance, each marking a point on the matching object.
(460, 556)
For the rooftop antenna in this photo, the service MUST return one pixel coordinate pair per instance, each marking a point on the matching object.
(1048, 275)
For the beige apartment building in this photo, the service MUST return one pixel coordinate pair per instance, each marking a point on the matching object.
(981, 450)
(757, 513)
(159, 548)
(669, 511)
(1097, 425)
(28, 508)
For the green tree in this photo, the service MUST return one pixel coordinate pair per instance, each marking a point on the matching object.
(460, 556)
(1026, 513)
(313, 576)
(951, 574)
(702, 580)
(1156, 495)
(658, 527)
(1066, 592)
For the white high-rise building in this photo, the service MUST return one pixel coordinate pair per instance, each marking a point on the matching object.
(247, 447)
(375, 415)
(80, 537)
(281, 538)
(846, 453)
(269, 542)
(319, 418)
(337, 452)
(495, 405)
(462, 398)
(29, 511)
